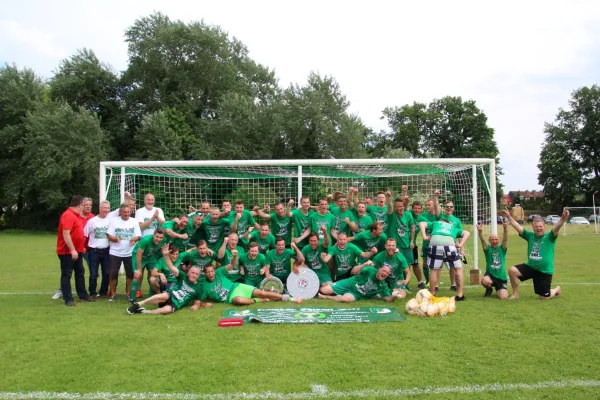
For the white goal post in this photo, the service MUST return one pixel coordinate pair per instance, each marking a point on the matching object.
(469, 183)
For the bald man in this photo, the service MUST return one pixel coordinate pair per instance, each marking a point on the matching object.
(495, 263)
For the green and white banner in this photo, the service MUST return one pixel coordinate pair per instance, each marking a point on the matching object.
(315, 315)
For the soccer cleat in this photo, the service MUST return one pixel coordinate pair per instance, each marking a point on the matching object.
(131, 310)
(453, 287)
(57, 295)
(421, 285)
(140, 310)
(111, 298)
(488, 292)
(459, 298)
(138, 294)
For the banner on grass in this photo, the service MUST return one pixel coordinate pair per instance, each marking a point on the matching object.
(315, 315)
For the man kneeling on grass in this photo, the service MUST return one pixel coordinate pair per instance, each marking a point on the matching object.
(186, 289)
(368, 282)
(219, 288)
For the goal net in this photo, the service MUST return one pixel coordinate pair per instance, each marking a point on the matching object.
(469, 183)
(582, 221)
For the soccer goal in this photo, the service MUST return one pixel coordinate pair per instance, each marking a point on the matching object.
(582, 221)
(469, 183)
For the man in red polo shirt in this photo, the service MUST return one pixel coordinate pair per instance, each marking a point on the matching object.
(70, 248)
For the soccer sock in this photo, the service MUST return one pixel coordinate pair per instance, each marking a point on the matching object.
(135, 285)
(426, 273)
(286, 297)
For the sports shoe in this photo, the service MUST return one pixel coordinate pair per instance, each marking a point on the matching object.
(111, 298)
(133, 304)
(488, 292)
(134, 308)
(98, 295)
(57, 295)
(421, 285)
(138, 294)
(70, 304)
(459, 298)
(453, 287)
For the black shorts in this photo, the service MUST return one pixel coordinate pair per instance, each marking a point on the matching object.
(497, 284)
(115, 265)
(345, 275)
(416, 255)
(169, 302)
(541, 281)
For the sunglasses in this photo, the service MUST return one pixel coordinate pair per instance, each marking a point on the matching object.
(449, 206)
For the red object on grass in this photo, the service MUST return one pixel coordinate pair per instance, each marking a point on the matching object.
(229, 322)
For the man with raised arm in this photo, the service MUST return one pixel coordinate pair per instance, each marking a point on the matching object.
(219, 288)
(145, 256)
(540, 262)
(225, 255)
(363, 220)
(243, 217)
(300, 219)
(199, 257)
(399, 269)
(318, 219)
(161, 276)
(495, 262)
(149, 217)
(187, 289)
(204, 210)
(280, 220)
(215, 229)
(374, 237)
(401, 227)
(344, 218)
(312, 257)
(379, 212)
(448, 214)
(178, 231)
(443, 249)
(262, 237)
(429, 215)
(344, 256)
(252, 265)
(278, 260)
(367, 283)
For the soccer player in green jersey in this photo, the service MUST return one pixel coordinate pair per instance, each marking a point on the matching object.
(300, 218)
(368, 283)
(215, 229)
(540, 263)
(263, 237)
(379, 212)
(278, 260)
(443, 249)
(225, 255)
(253, 265)
(367, 240)
(161, 277)
(449, 215)
(145, 255)
(220, 289)
(243, 217)
(199, 257)
(187, 289)
(344, 256)
(495, 262)
(322, 217)
(177, 231)
(311, 256)
(280, 220)
(204, 210)
(344, 218)
(363, 220)
(428, 216)
(400, 272)
(401, 226)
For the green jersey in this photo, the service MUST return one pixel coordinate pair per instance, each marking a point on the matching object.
(234, 273)
(184, 291)
(181, 243)
(453, 220)
(300, 224)
(197, 260)
(345, 258)
(399, 228)
(397, 264)
(379, 215)
(366, 285)
(540, 251)
(220, 288)
(425, 217)
(415, 218)
(313, 258)
(365, 241)
(265, 244)
(279, 264)
(252, 275)
(281, 227)
(364, 223)
(195, 233)
(340, 223)
(161, 268)
(215, 232)
(495, 262)
(316, 221)
(243, 223)
(151, 252)
(443, 233)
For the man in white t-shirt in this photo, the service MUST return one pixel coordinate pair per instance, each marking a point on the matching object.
(123, 233)
(149, 217)
(95, 231)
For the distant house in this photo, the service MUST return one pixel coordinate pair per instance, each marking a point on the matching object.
(527, 194)
(507, 199)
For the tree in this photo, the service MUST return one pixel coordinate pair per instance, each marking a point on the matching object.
(61, 152)
(570, 158)
(156, 139)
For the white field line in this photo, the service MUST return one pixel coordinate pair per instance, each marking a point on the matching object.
(318, 392)
(466, 287)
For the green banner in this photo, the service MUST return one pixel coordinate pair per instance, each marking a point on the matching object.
(316, 315)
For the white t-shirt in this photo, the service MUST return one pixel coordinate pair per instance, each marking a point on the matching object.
(95, 230)
(126, 230)
(143, 215)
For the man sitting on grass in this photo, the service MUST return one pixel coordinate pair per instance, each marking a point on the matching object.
(186, 289)
(540, 263)
(369, 282)
(495, 263)
(219, 288)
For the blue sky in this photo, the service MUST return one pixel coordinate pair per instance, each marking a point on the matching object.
(518, 60)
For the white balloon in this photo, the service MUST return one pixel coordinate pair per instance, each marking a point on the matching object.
(433, 310)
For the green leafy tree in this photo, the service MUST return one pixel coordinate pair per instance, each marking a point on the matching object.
(156, 139)
(570, 158)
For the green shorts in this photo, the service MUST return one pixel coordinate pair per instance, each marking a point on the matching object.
(424, 249)
(253, 281)
(242, 290)
(148, 263)
(408, 254)
(342, 287)
(324, 276)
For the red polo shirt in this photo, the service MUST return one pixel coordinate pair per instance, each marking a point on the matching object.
(85, 221)
(73, 222)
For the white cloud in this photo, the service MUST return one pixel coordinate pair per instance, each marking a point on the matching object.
(518, 60)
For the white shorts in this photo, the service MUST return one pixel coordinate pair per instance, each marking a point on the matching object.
(438, 255)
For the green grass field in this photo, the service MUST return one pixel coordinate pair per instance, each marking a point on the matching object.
(488, 349)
